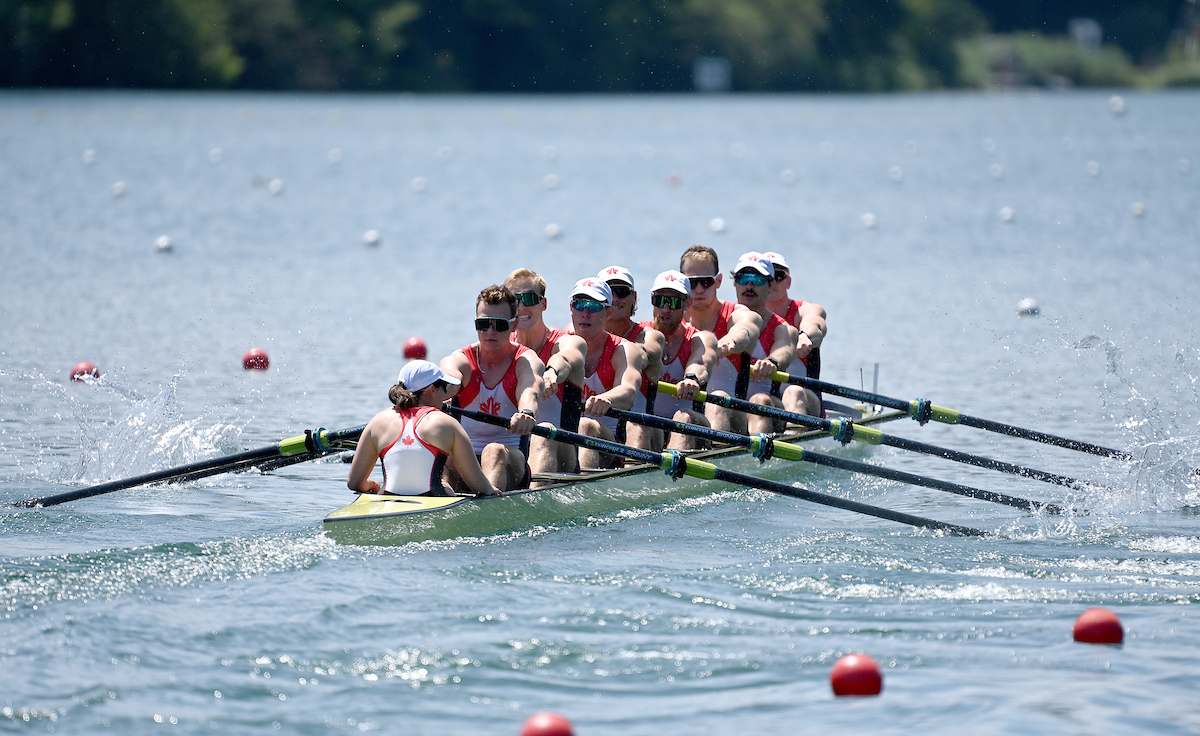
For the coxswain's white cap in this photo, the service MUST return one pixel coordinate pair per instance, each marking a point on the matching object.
(419, 374)
(673, 280)
(756, 262)
(776, 260)
(616, 273)
(593, 288)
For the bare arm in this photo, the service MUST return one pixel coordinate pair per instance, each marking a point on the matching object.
(653, 343)
(625, 387)
(448, 435)
(366, 454)
(704, 352)
(566, 362)
(811, 319)
(456, 364)
(782, 350)
(744, 329)
(529, 388)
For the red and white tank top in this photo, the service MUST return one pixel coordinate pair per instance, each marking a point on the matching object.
(722, 327)
(499, 400)
(412, 466)
(603, 378)
(636, 330)
(665, 405)
(725, 375)
(792, 312)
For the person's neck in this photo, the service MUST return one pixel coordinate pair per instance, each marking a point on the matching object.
(779, 304)
(705, 318)
(534, 337)
(619, 326)
(490, 357)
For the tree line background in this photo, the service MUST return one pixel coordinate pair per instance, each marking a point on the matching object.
(583, 45)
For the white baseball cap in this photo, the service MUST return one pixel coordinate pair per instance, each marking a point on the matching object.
(776, 260)
(593, 288)
(419, 374)
(757, 262)
(616, 273)
(672, 280)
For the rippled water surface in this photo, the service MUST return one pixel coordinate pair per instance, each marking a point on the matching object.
(221, 605)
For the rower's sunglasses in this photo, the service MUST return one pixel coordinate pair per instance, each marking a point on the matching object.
(499, 324)
(751, 278)
(529, 298)
(667, 301)
(620, 291)
(780, 274)
(702, 282)
(587, 305)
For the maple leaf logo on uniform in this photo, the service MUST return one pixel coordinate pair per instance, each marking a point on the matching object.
(407, 440)
(588, 392)
(491, 406)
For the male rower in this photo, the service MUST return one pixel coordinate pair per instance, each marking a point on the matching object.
(502, 378)
(416, 442)
(807, 317)
(688, 356)
(611, 368)
(649, 341)
(562, 353)
(735, 328)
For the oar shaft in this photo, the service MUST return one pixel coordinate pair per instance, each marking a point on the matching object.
(708, 471)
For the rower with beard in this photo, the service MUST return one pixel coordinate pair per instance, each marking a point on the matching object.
(502, 378)
(611, 375)
(688, 356)
(562, 353)
(650, 343)
(808, 318)
(735, 328)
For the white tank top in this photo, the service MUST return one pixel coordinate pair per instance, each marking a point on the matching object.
(412, 466)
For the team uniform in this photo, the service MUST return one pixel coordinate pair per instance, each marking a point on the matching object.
(500, 400)
(725, 375)
(412, 466)
(603, 378)
(666, 405)
(549, 410)
(727, 370)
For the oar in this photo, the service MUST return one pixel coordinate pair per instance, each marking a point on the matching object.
(764, 447)
(313, 442)
(845, 430)
(923, 411)
(677, 466)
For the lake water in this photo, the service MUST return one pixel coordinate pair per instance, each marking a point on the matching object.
(221, 605)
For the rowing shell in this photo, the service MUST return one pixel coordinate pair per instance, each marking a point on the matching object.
(387, 519)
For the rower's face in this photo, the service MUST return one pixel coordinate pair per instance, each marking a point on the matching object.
(667, 320)
(694, 267)
(752, 295)
(589, 324)
(779, 288)
(492, 336)
(528, 317)
(622, 306)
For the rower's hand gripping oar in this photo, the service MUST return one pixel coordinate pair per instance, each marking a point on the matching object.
(676, 465)
(924, 411)
(313, 442)
(764, 447)
(844, 430)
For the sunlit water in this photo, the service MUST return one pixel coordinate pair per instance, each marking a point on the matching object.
(220, 605)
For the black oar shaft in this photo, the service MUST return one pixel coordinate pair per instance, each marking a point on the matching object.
(789, 451)
(708, 471)
(951, 416)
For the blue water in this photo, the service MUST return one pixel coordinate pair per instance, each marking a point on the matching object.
(220, 605)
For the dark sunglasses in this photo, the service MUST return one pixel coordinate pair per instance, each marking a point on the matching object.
(620, 291)
(587, 305)
(702, 282)
(780, 274)
(667, 301)
(499, 324)
(529, 298)
(751, 278)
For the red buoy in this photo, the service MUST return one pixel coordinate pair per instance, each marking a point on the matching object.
(255, 359)
(546, 724)
(1099, 626)
(414, 348)
(83, 370)
(856, 674)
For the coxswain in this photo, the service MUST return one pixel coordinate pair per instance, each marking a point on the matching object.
(688, 356)
(648, 340)
(611, 374)
(735, 327)
(416, 442)
(562, 353)
(501, 378)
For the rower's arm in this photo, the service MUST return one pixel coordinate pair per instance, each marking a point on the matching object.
(569, 355)
(449, 436)
(366, 454)
(704, 356)
(783, 352)
(653, 343)
(625, 387)
(529, 388)
(812, 325)
(456, 364)
(744, 328)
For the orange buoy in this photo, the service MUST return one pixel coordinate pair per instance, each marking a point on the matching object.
(83, 370)
(1099, 626)
(414, 348)
(255, 359)
(546, 724)
(856, 674)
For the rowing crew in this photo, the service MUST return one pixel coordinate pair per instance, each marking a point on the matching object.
(533, 373)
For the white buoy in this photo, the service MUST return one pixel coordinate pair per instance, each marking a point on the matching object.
(989, 145)
(552, 230)
(869, 220)
(787, 176)
(1007, 214)
(717, 225)
(550, 181)
(118, 188)
(334, 155)
(549, 153)
(646, 152)
(163, 243)
(89, 157)
(275, 187)
(896, 174)
(1137, 209)
(1093, 168)
(371, 237)
(444, 153)
(1116, 105)
(214, 155)
(1028, 307)
(418, 184)
(737, 150)
(996, 171)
